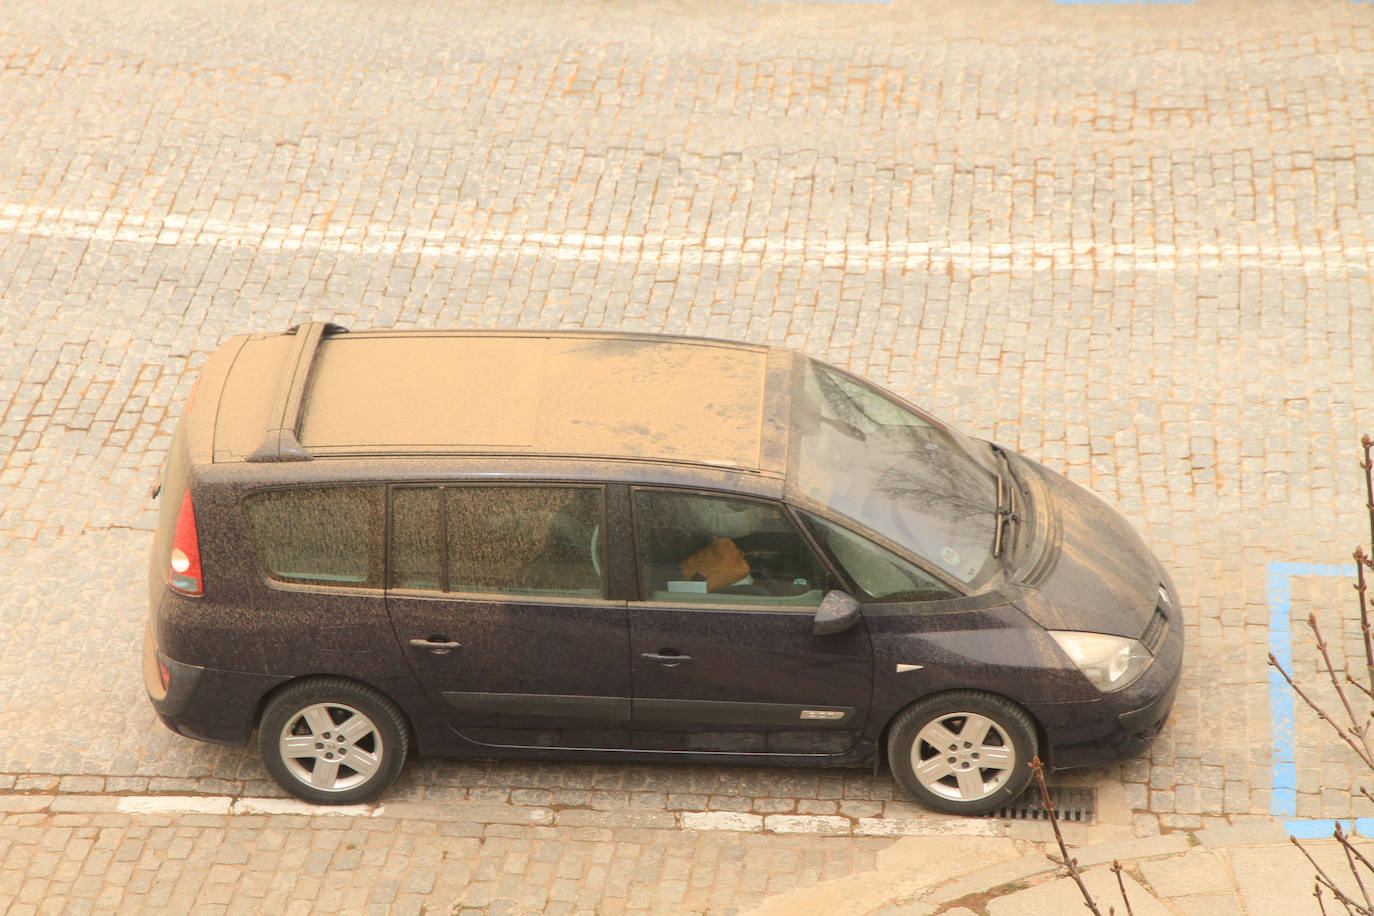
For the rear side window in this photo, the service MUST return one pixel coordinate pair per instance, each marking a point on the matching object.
(318, 536)
(518, 540)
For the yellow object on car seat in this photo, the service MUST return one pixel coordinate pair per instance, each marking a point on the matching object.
(720, 563)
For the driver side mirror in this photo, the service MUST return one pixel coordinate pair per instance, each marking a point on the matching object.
(837, 613)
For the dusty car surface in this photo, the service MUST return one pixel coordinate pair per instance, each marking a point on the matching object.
(592, 544)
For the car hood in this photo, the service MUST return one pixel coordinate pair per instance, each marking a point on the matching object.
(1094, 572)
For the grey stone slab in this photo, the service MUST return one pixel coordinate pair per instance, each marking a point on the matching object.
(1062, 895)
(1199, 872)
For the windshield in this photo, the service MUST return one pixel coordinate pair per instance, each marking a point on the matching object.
(873, 460)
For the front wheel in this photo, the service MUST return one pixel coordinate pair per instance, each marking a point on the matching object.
(962, 752)
(332, 742)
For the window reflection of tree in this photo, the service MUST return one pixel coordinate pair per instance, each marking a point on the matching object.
(915, 486)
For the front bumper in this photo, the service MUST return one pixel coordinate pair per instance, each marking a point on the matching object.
(1120, 724)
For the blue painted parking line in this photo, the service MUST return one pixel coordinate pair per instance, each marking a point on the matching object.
(1284, 797)
(1317, 829)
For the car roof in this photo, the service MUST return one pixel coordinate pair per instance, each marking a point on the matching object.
(528, 393)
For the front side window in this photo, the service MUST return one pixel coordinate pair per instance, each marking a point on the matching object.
(695, 547)
(318, 536)
(879, 573)
(516, 540)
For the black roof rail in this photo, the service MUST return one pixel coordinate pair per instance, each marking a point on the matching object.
(280, 442)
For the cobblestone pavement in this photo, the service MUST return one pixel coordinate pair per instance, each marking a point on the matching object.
(1131, 241)
(260, 863)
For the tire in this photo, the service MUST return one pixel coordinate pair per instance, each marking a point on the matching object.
(333, 742)
(962, 752)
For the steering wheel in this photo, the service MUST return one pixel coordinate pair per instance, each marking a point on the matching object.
(761, 563)
(594, 548)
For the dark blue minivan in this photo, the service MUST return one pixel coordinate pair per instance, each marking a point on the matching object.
(564, 544)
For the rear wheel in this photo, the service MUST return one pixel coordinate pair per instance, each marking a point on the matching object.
(332, 741)
(962, 752)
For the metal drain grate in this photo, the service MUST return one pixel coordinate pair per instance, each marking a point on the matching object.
(1072, 805)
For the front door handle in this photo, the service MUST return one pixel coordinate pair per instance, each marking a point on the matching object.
(439, 645)
(668, 658)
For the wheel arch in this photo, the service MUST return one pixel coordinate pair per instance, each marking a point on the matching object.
(1041, 736)
(255, 721)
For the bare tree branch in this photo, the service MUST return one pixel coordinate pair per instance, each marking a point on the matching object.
(1350, 851)
(1357, 727)
(1322, 879)
(1067, 861)
(1359, 685)
(1361, 589)
(1368, 465)
(1358, 748)
(1121, 883)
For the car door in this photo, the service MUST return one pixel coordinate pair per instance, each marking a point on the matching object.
(497, 597)
(721, 644)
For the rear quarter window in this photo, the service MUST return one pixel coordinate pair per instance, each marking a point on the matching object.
(318, 535)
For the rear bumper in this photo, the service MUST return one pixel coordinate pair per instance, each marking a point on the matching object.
(203, 703)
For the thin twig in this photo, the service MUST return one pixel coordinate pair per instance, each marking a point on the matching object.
(1068, 861)
(1317, 892)
(1368, 444)
(1350, 855)
(1121, 883)
(1361, 589)
(1359, 685)
(1351, 850)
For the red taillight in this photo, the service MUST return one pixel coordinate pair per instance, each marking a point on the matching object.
(164, 674)
(183, 570)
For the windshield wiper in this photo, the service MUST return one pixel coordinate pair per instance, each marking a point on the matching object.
(1005, 514)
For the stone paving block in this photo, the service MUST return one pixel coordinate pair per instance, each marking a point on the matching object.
(574, 817)
(720, 820)
(284, 806)
(10, 804)
(929, 825)
(470, 812)
(808, 824)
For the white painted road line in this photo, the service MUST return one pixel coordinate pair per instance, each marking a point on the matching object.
(174, 804)
(373, 239)
(493, 813)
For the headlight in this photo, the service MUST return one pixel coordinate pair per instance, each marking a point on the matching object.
(1110, 662)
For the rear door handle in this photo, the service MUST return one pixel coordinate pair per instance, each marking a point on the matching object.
(667, 658)
(439, 645)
